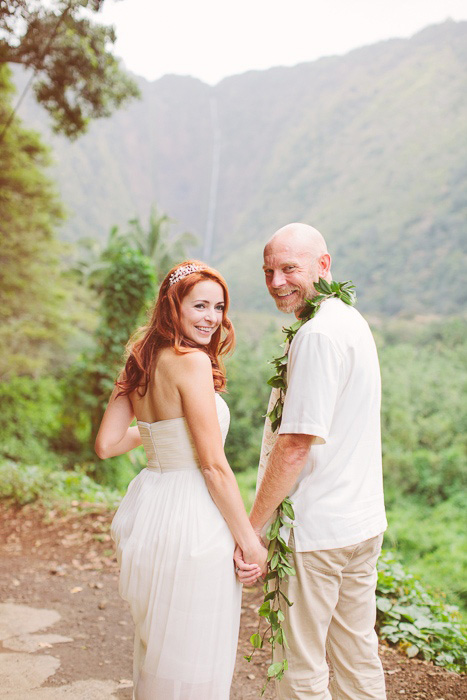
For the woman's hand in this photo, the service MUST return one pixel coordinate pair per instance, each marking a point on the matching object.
(249, 573)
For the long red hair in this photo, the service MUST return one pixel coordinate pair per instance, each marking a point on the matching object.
(164, 330)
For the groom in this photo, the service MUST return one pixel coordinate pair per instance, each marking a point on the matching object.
(327, 457)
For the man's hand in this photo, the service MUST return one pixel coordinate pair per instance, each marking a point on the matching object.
(250, 573)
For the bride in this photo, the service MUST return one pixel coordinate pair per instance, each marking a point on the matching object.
(177, 526)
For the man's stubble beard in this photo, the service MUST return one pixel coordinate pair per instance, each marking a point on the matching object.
(295, 306)
(289, 308)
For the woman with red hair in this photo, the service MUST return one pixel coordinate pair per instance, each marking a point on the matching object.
(178, 523)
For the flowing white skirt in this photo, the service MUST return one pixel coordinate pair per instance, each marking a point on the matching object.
(175, 554)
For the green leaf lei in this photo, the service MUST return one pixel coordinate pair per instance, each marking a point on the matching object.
(278, 564)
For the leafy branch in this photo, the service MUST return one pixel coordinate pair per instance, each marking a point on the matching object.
(75, 75)
(271, 610)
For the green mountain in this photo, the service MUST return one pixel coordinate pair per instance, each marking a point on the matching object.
(371, 148)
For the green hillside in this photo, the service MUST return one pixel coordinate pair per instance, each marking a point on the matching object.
(371, 148)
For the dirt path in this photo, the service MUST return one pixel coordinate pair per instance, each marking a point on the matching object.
(67, 633)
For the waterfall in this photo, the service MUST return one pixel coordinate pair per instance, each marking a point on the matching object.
(216, 139)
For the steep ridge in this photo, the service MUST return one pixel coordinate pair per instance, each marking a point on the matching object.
(370, 147)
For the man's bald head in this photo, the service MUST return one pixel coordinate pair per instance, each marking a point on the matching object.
(295, 257)
(300, 238)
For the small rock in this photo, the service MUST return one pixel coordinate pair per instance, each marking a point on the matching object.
(76, 589)
(251, 677)
(122, 622)
(57, 569)
(102, 604)
(15, 582)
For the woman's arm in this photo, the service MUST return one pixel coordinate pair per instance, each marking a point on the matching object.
(115, 437)
(195, 384)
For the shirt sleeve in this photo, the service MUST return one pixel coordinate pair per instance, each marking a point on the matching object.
(312, 386)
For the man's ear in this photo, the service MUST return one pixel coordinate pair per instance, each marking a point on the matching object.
(324, 265)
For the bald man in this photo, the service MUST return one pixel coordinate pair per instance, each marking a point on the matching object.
(327, 457)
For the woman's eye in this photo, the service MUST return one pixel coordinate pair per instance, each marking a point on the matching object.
(220, 308)
(199, 306)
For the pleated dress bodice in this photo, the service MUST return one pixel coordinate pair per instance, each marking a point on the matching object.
(169, 445)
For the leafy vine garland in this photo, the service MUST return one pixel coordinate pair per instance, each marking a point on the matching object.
(278, 565)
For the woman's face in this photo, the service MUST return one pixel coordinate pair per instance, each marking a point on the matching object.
(202, 310)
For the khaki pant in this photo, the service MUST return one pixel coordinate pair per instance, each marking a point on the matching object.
(333, 610)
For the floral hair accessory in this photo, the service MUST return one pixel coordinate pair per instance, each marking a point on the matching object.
(182, 272)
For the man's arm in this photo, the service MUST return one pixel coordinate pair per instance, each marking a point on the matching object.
(286, 461)
(312, 384)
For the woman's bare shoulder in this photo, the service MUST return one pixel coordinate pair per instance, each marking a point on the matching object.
(192, 360)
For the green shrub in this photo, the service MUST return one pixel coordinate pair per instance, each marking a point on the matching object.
(51, 487)
(417, 621)
(31, 410)
(117, 472)
(431, 542)
(424, 410)
(248, 371)
(247, 484)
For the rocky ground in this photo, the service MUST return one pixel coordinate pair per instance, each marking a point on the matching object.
(67, 634)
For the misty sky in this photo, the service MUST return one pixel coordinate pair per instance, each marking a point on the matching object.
(211, 39)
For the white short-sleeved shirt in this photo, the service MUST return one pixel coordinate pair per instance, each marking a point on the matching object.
(334, 393)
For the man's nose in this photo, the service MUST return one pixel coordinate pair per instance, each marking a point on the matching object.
(278, 279)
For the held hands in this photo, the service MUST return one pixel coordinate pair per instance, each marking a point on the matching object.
(249, 567)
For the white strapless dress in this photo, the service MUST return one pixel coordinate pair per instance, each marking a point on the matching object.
(176, 571)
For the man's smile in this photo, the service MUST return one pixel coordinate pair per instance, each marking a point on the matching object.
(285, 294)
